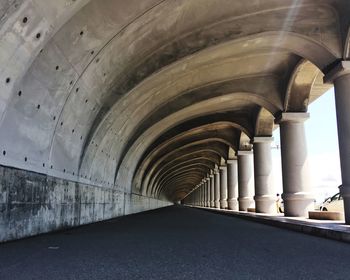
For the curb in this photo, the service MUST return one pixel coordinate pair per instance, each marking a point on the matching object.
(320, 230)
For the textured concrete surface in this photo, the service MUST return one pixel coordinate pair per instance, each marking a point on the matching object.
(146, 98)
(175, 243)
(78, 71)
(32, 203)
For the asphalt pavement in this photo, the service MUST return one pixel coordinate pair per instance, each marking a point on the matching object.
(175, 243)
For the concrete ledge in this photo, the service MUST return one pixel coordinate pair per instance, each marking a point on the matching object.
(251, 210)
(336, 230)
(326, 215)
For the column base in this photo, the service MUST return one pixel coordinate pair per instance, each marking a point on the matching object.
(232, 204)
(212, 204)
(245, 203)
(298, 204)
(345, 193)
(223, 204)
(265, 204)
(217, 204)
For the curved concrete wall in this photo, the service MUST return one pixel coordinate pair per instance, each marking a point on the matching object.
(95, 93)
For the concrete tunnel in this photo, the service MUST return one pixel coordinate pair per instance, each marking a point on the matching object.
(112, 107)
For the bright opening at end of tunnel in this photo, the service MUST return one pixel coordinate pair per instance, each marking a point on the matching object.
(322, 140)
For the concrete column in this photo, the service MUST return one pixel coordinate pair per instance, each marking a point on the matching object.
(232, 184)
(223, 187)
(200, 195)
(340, 76)
(203, 193)
(195, 197)
(265, 194)
(208, 191)
(297, 197)
(212, 191)
(217, 189)
(245, 180)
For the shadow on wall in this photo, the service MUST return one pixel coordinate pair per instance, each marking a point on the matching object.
(32, 203)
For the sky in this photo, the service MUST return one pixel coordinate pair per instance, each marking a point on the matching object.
(323, 151)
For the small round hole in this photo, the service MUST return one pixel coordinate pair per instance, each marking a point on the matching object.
(86, 101)
(43, 164)
(20, 93)
(38, 107)
(8, 80)
(73, 173)
(54, 118)
(64, 170)
(71, 82)
(72, 130)
(57, 67)
(61, 123)
(77, 89)
(81, 33)
(97, 60)
(25, 159)
(51, 166)
(24, 20)
(4, 153)
(38, 35)
(92, 52)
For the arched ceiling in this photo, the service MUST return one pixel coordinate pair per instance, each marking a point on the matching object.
(149, 96)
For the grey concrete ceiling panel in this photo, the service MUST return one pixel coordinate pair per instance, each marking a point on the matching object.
(91, 90)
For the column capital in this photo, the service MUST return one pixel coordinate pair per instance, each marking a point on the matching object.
(244, 153)
(262, 140)
(222, 167)
(296, 117)
(340, 69)
(207, 179)
(216, 171)
(230, 161)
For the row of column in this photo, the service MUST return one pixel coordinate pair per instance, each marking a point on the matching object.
(296, 187)
(247, 180)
